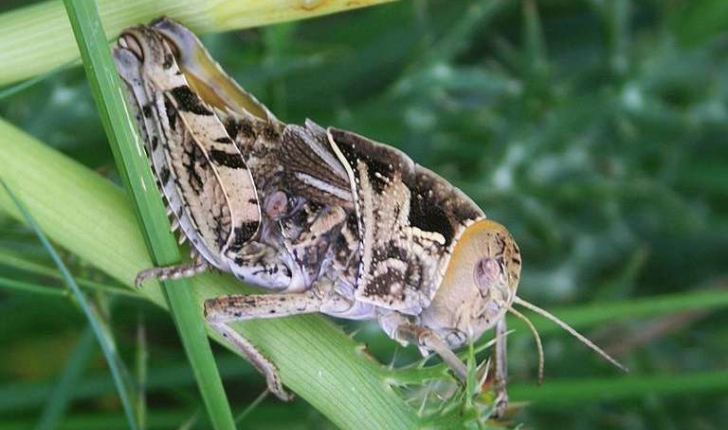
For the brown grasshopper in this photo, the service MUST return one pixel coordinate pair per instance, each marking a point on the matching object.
(329, 220)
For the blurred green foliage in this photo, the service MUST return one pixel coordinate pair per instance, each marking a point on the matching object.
(595, 130)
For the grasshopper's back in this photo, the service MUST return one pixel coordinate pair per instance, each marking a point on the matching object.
(316, 206)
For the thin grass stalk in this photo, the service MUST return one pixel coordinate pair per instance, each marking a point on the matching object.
(10, 260)
(62, 394)
(132, 165)
(562, 393)
(106, 343)
(27, 287)
(141, 367)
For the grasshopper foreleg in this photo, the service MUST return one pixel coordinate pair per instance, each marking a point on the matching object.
(177, 271)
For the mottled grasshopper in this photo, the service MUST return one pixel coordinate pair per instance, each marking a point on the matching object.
(331, 221)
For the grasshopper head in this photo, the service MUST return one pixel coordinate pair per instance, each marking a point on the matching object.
(479, 284)
(479, 287)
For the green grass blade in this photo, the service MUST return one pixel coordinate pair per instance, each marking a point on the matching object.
(8, 259)
(26, 287)
(562, 393)
(142, 364)
(21, 86)
(535, 51)
(251, 407)
(190, 422)
(61, 396)
(106, 346)
(133, 167)
(477, 17)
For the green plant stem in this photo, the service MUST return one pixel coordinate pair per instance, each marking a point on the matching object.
(92, 218)
(142, 361)
(101, 332)
(27, 287)
(577, 391)
(132, 166)
(62, 393)
(38, 38)
(251, 407)
(10, 260)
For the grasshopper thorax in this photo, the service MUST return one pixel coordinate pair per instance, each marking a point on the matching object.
(479, 285)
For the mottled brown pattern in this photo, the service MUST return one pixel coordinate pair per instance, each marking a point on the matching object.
(408, 219)
(196, 166)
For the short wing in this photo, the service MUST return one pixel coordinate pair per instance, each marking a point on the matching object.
(311, 167)
(201, 172)
(409, 220)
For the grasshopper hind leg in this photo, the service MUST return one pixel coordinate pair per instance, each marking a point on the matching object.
(221, 311)
(264, 366)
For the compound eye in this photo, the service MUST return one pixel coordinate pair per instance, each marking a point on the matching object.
(489, 276)
(486, 273)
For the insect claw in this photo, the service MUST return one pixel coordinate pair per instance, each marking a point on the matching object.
(182, 239)
(175, 225)
(144, 275)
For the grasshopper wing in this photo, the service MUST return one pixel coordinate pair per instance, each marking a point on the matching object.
(409, 220)
(312, 169)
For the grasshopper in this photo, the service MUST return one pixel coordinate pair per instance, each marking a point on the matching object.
(330, 221)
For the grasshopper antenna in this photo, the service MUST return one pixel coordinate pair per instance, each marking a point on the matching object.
(539, 345)
(570, 330)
